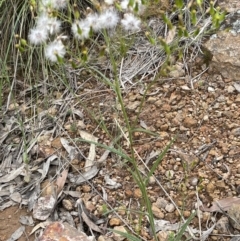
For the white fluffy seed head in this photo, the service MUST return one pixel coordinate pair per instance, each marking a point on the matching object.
(55, 4)
(54, 50)
(92, 20)
(109, 18)
(136, 6)
(109, 2)
(53, 25)
(38, 36)
(81, 29)
(131, 23)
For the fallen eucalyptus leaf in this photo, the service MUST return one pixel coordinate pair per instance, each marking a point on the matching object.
(17, 234)
(12, 175)
(221, 205)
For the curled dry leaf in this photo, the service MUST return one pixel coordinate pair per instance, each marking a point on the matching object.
(89, 223)
(61, 181)
(92, 151)
(70, 149)
(12, 175)
(85, 176)
(221, 205)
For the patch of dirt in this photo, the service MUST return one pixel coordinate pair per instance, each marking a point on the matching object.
(9, 219)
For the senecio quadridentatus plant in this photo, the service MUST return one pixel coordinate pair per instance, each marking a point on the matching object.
(48, 26)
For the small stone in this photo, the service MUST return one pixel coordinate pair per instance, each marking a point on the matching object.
(137, 193)
(161, 203)
(236, 131)
(210, 188)
(222, 225)
(115, 222)
(133, 105)
(189, 122)
(230, 89)
(205, 117)
(89, 206)
(194, 181)
(206, 216)
(86, 188)
(152, 180)
(211, 89)
(234, 213)
(67, 204)
(119, 237)
(186, 214)
(166, 107)
(169, 174)
(151, 99)
(185, 87)
(13, 106)
(157, 212)
(104, 238)
(170, 208)
(237, 100)
(128, 193)
(121, 210)
(163, 235)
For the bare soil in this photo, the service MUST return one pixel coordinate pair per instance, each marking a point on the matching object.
(202, 163)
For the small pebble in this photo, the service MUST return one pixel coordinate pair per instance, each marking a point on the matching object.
(211, 89)
(170, 208)
(194, 181)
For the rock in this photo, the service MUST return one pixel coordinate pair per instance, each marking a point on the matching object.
(222, 225)
(161, 203)
(128, 193)
(166, 107)
(115, 222)
(186, 214)
(189, 122)
(237, 86)
(211, 89)
(237, 100)
(194, 181)
(133, 105)
(104, 238)
(225, 54)
(170, 208)
(121, 210)
(86, 188)
(163, 235)
(152, 180)
(152, 99)
(157, 212)
(230, 89)
(210, 188)
(67, 204)
(137, 193)
(116, 236)
(63, 231)
(234, 213)
(236, 131)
